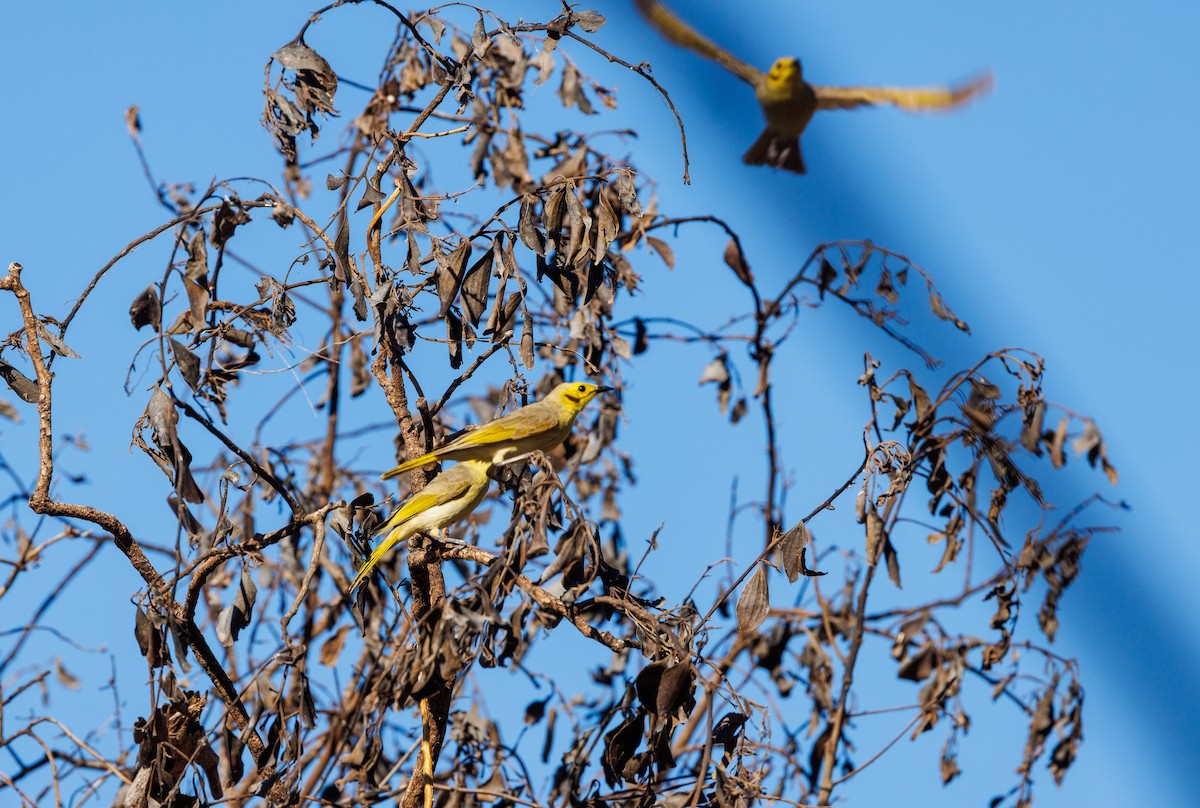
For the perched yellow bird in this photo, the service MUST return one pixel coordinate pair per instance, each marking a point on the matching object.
(447, 498)
(788, 101)
(535, 427)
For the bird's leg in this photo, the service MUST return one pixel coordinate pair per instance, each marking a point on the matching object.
(442, 536)
(446, 538)
(523, 456)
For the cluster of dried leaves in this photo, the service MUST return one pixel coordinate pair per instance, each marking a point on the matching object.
(306, 695)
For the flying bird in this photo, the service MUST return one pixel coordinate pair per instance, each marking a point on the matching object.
(788, 101)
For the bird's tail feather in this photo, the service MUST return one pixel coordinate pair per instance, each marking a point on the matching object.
(409, 465)
(775, 150)
(394, 536)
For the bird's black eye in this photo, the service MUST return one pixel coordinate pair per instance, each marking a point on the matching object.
(582, 388)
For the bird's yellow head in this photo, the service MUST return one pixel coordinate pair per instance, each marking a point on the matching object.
(785, 73)
(574, 396)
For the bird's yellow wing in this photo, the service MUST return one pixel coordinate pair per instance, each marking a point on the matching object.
(682, 34)
(517, 425)
(913, 99)
(419, 503)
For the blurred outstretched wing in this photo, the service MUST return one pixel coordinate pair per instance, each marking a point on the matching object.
(682, 34)
(913, 99)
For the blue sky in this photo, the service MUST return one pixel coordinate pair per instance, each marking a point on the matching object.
(1055, 214)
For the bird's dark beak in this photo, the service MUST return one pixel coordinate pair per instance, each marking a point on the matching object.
(600, 390)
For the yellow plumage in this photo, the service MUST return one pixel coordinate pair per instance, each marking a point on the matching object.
(447, 498)
(788, 102)
(535, 427)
